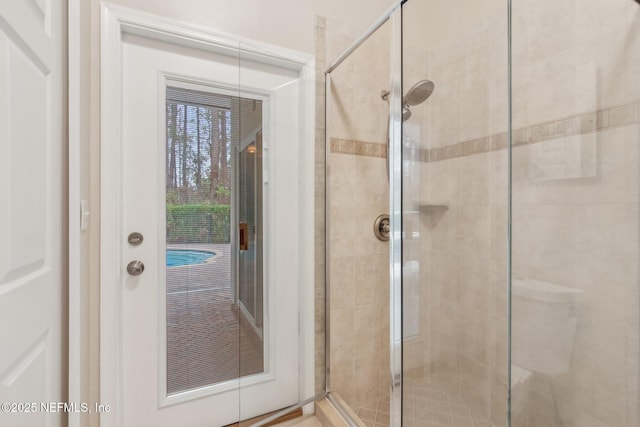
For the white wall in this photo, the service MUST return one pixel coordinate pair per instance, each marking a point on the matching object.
(287, 23)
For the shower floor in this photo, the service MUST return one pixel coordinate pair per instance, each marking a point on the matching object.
(424, 405)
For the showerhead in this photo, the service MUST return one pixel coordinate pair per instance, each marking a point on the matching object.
(418, 93)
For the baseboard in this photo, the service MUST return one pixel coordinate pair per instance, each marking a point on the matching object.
(290, 416)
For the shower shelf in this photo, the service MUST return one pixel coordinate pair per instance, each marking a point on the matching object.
(428, 207)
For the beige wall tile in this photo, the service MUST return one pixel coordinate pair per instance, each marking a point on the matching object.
(474, 180)
(473, 236)
(342, 293)
(342, 336)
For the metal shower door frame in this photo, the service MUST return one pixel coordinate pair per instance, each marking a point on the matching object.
(394, 153)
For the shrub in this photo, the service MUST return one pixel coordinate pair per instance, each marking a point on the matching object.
(198, 223)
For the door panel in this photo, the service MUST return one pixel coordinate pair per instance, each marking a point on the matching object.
(31, 206)
(184, 318)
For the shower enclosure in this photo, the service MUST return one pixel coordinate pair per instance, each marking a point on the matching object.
(508, 292)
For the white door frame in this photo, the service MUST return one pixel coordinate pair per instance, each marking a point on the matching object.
(74, 362)
(115, 22)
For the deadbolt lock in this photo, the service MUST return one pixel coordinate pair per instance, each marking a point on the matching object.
(135, 239)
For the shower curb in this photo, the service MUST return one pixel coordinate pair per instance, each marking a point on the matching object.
(330, 416)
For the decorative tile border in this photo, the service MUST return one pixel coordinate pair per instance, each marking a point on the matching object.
(623, 115)
(358, 148)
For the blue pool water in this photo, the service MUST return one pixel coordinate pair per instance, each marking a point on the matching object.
(178, 257)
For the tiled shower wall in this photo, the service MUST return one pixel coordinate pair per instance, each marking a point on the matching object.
(357, 194)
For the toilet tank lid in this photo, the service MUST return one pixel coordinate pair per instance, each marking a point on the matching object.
(543, 291)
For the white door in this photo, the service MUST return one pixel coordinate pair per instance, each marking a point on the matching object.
(192, 353)
(32, 200)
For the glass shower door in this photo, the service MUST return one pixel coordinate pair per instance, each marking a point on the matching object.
(520, 230)
(454, 172)
(359, 98)
(576, 248)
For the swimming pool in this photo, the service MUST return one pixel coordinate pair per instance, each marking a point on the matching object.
(179, 257)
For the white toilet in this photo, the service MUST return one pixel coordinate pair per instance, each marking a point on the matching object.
(543, 319)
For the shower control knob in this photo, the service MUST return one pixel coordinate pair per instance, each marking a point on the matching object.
(382, 228)
(135, 268)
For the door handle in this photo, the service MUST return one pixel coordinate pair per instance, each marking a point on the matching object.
(244, 236)
(135, 268)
